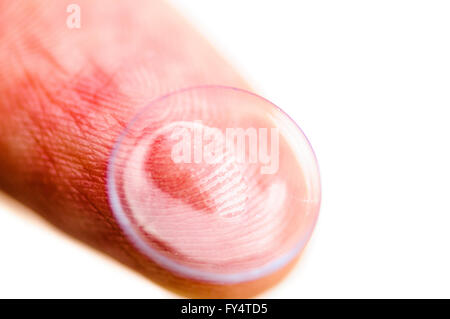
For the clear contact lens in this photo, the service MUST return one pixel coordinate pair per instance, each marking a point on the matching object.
(215, 184)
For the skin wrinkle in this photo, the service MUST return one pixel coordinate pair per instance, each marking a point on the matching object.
(66, 95)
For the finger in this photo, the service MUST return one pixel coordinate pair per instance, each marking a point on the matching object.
(67, 94)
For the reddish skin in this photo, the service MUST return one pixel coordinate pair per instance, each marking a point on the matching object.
(66, 95)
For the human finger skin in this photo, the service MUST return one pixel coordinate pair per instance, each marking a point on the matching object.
(68, 93)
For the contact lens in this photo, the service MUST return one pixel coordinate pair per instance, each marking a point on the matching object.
(215, 184)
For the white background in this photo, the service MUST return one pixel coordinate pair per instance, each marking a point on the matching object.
(369, 83)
